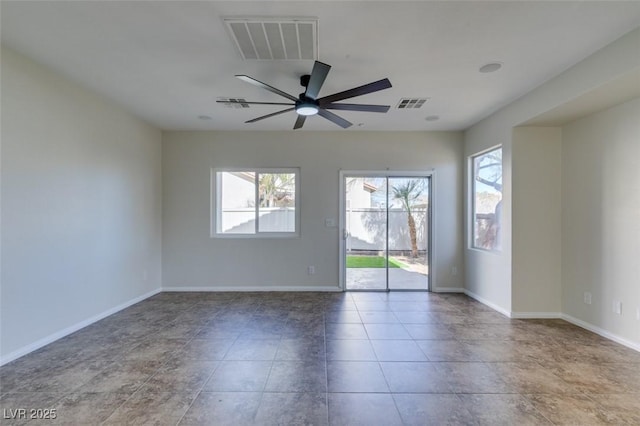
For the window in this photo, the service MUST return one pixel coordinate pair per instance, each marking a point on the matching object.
(256, 202)
(487, 199)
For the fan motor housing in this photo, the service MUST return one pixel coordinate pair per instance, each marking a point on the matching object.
(308, 103)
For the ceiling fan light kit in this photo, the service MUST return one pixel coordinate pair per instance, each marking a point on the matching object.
(308, 103)
(306, 109)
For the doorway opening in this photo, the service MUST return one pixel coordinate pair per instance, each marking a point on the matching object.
(386, 222)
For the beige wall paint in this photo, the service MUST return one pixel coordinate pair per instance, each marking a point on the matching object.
(192, 259)
(601, 219)
(536, 228)
(81, 206)
(81, 199)
(489, 275)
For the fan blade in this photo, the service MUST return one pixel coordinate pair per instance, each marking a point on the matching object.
(358, 107)
(270, 115)
(299, 122)
(253, 103)
(356, 91)
(272, 89)
(318, 75)
(334, 118)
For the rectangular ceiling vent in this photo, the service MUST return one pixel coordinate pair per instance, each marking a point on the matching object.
(234, 102)
(275, 38)
(411, 103)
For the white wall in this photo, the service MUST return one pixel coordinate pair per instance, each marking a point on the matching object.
(81, 206)
(601, 219)
(536, 218)
(192, 259)
(489, 275)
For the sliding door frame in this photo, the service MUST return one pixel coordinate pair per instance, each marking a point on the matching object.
(342, 226)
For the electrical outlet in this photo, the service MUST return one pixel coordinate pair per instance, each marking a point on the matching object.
(587, 298)
(638, 313)
(617, 307)
(311, 270)
(454, 270)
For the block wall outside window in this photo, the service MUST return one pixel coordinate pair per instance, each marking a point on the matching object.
(255, 203)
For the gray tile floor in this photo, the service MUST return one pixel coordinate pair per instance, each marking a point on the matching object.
(324, 358)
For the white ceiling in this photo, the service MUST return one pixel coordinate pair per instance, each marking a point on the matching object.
(167, 62)
(619, 90)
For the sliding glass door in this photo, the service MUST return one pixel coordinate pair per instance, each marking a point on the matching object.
(386, 222)
(365, 233)
(408, 234)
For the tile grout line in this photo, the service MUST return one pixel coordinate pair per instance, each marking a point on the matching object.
(204, 383)
(141, 385)
(326, 364)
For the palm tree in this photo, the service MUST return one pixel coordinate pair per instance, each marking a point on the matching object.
(408, 193)
(276, 189)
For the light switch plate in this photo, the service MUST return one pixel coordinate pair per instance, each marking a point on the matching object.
(330, 223)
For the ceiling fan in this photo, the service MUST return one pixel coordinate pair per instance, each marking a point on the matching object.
(308, 103)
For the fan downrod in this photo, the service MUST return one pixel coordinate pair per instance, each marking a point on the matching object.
(309, 103)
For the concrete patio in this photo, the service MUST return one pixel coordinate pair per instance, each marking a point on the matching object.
(375, 279)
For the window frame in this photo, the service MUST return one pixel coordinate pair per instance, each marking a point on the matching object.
(472, 195)
(216, 203)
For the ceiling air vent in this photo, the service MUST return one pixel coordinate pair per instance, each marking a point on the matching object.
(234, 102)
(411, 103)
(275, 38)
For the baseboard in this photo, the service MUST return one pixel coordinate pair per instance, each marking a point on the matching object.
(328, 288)
(486, 302)
(602, 332)
(535, 315)
(72, 329)
(449, 290)
(549, 315)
